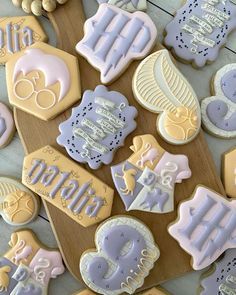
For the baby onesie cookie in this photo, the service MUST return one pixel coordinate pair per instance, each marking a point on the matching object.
(206, 226)
(43, 80)
(66, 185)
(146, 180)
(7, 126)
(97, 127)
(18, 32)
(125, 253)
(114, 37)
(27, 268)
(229, 172)
(161, 88)
(128, 5)
(199, 29)
(221, 279)
(219, 111)
(18, 205)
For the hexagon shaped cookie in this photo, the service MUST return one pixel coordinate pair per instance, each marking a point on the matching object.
(16, 33)
(229, 172)
(66, 185)
(43, 80)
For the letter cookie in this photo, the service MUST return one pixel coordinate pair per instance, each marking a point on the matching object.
(219, 111)
(128, 5)
(27, 268)
(97, 127)
(7, 126)
(161, 88)
(146, 181)
(114, 37)
(43, 80)
(229, 172)
(221, 278)
(18, 205)
(16, 33)
(125, 253)
(199, 29)
(66, 185)
(206, 226)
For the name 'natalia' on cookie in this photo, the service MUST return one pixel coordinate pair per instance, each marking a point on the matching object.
(124, 255)
(200, 28)
(114, 37)
(206, 226)
(161, 88)
(97, 127)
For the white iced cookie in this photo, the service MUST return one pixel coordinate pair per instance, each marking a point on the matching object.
(128, 5)
(161, 88)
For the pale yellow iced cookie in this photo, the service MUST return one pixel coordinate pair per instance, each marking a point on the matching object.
(229, 172)
(43, 80)
(16, 33)
(66, 185)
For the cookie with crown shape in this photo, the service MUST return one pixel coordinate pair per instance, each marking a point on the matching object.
(128, 5)
(200, 29)
(7, 126)
(124, 255)
(43, 80)
(28, 266)
(219, 110)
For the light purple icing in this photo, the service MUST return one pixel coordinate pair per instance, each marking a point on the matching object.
(155, 197)
(3, 126)
(97, 127)
(209, 29)
(30, 290)
(223, 276)
(113, 242)
(228, 85)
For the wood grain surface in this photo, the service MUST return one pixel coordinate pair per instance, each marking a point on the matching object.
(72, 238)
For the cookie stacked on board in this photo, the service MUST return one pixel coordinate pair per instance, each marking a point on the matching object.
(44, 82)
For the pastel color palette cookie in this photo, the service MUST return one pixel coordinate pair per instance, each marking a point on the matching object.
(161, 88)
(97, 127)
(7, 126)
(111, 50)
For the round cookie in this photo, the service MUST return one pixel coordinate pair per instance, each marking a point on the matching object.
(7, 126)
(18, 205)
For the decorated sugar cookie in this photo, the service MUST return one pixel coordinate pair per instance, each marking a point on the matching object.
(66, 185)
(114, 37)
(129, 5)
(146, 180)
(28, 266)
(7, 126)
(43, 80)
(16, 33)
(229, 172)
(206, 226)
(219, 111)
(18, 205)
(97, 127)
(221, 278)
(85, 292)
(199, 29)
(161, 88)
(125, 253)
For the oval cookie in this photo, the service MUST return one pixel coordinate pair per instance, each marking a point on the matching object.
(7, 125)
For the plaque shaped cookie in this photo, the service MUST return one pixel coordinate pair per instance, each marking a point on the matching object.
(219, 110)
(28, 266)
(206, 226)
(114, 37)
(18, 32)
(199, 29)
(125, 253)
(43, 80)
(97, 127)
(66, 185)
(146, 180)
(229, 172)
(161, 88)
(18, 205)
(128, 5)
(7, 126)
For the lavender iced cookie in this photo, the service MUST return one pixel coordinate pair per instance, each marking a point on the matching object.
(200, 28)
(97, 127)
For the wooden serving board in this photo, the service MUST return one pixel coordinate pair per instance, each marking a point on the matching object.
(72, 238)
